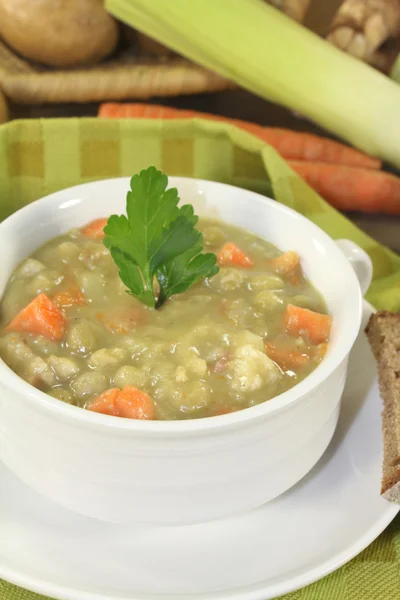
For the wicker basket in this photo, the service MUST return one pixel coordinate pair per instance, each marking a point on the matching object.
(367, 29)
(126, 76)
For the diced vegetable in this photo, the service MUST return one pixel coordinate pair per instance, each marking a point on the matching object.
(264, 281)
(287, 265)
(62, 394)
(285, 358)
(40, 316)
(67, 251)
(81, 337)
(232, 255)
(44, 282)
(213, 235)
(89, 383)
(124, 319)
(14, 350)
(267, 300)
(133, 403)
(105, 402)
(67, 298)
(95, 229)
(29, 268)
(91, 283)
(105, 357)
(130, 402)
(38, 373)
(63, 367)
(307, 323)
(228, 279)
(129, 375)
(181, 375)
(252, 370)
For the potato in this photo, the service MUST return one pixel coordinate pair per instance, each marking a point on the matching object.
(60, 33)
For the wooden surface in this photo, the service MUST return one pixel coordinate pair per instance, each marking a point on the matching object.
(242, 105)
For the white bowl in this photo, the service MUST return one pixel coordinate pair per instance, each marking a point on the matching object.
(180, 472)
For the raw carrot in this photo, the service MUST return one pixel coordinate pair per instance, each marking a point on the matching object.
(290, 144)
(130, 403)
(67, 298)
(284, 358)
(40, 316)
(287, 265)
(352, 189)
(307, 323)
(95, 229)
(232, 255)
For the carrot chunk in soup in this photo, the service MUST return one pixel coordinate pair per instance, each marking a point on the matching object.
(67, 298)
(40, 316)
(95, 229)
(304, 322)
(130, 402)
(232, 255)
(288, 265)
(285, 358)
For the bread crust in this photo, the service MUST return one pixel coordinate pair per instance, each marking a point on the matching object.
(383, 333)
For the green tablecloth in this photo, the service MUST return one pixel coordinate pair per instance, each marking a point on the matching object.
(41, 156)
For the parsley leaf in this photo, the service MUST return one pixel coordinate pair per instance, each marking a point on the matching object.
(157, 240)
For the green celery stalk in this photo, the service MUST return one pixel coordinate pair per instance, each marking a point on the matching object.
(264, 51)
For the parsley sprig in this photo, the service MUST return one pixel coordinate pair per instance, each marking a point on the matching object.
(156, 241)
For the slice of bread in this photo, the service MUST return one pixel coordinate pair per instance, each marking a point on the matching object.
(383, 332)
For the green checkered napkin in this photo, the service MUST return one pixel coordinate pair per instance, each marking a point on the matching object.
(41, 156)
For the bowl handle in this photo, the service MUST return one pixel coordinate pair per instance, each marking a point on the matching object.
(359, 260)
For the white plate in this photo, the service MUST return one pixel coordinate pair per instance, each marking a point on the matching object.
(328, 518)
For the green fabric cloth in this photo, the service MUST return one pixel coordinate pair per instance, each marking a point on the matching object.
(41, 156)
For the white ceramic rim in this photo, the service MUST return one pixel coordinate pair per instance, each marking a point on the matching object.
(327, 366)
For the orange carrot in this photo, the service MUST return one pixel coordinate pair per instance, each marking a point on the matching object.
(284, 358)
(72, 296)
(304, 322)
(232, 255)
(40, 316)
(292, 145)
(130, 403)
(124, 319)
(95, 229)
(105, 402)
(287, 265)
(133, 403)
(352, 189)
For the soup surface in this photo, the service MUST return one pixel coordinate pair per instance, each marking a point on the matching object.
(69, 327)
